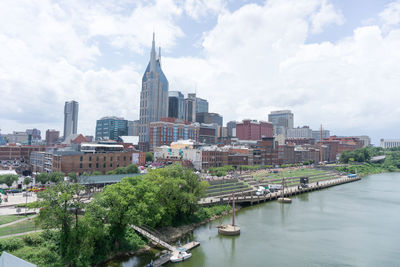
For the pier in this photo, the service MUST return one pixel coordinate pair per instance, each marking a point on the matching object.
(249, 198)
(172, 250)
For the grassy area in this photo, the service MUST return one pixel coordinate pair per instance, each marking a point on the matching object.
(265, 175)
(21, 227)
(9, 218)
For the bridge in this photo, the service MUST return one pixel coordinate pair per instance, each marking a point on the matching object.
(251, 198)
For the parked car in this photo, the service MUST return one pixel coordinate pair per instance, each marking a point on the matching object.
(12, 191)
(261, 191)
(275, 187)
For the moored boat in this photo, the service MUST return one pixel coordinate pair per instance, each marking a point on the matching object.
(180, 256)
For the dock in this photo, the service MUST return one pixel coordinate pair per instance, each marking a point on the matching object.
(250, 198)
(172, 250)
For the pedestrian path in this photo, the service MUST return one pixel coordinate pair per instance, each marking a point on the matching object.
(17, 221)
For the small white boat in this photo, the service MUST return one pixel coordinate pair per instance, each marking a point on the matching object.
(180, 256)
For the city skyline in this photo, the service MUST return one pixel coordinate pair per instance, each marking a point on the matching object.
(326, 64)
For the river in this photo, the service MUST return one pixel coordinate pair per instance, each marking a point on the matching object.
(355, 224)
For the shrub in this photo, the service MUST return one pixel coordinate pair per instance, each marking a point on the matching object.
(11, 244)
(42, 256)
(33, 239)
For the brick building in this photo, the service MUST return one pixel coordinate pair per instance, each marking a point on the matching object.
(20, 153)
(170, 130)
(79, 162)
(253, 130)
(214, 157)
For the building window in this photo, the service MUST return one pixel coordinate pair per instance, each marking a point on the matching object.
(97, 158)
(118, 158)
(80, 165)
(124, 158)
(90, 158)
(90, 165)
(110, 158)
(104, 165)
(81, 159)
(97, 165)
(104, 158)
(110, 165)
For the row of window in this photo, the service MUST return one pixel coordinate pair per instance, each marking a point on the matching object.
(104, 158)
(97, 165)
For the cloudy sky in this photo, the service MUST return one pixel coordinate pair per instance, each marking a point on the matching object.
(335, 63)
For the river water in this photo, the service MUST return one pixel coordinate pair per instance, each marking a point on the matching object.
(355, 224)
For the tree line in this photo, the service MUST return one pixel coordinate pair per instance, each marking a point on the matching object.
(162, 197)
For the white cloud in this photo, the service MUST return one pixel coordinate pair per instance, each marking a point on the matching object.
(391, 14)
(201, 8)
(257, 61)
(326, 14)
(254, 60)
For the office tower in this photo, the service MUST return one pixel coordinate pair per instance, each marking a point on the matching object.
(201, 105)
(176, 105)
(231, 126)
(316, 135)
(190, 103)
(206, 117)
(133, 128)
(52, 137)
(303, 132)
(281, 120)
(34, 133)
(111, 128)
(70, 118)
(153, 97)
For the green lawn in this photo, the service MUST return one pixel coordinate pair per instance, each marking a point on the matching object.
(21, 227)
(288, 174)
(9, 218)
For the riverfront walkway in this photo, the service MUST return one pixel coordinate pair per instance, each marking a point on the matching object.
(251, 198)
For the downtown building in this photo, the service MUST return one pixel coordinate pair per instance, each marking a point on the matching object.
(111, 128)
(281, 120)
(71, 109)
(153, 97)
(208, 118)
(52, 137)
(253, 130)
(176, 105)
(168, 130)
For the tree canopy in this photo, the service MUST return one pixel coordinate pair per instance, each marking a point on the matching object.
(8, 179)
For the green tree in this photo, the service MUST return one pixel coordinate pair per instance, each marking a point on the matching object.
(132, 168)
(27, 181)
(96, 173)
(72, 176)
(56, 177)
(60, 207)
(120, 170)
(149, 157)
(42, 178)
(8, 179)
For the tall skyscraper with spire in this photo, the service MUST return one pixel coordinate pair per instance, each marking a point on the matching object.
(153, 97)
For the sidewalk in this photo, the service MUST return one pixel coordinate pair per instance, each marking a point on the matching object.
(19, 234)
(17, 221)
(18, 198)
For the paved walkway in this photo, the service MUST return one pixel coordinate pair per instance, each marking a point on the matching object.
(19, 234)
(18, 198)
(17, 221)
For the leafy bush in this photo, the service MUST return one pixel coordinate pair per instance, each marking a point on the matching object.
(42, 256)
(11, 244)
(33, 239)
